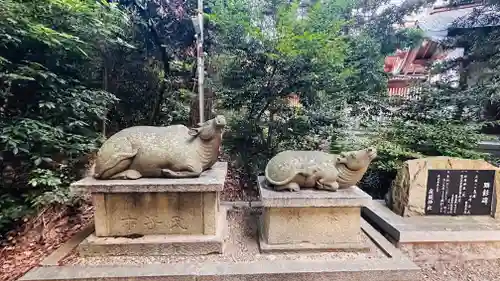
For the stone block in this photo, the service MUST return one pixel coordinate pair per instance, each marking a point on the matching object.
(211, 180)
(313, 225)
(158, 245)
(409, 190)
(348, 197)
(311, 219)
(306, 241)
(186, 213)
(432, 229)
(156, 206)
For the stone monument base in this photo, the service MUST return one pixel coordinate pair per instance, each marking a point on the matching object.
(240, 261)
(158, 245)
(437, 237)
(311, 220)
(157, 216)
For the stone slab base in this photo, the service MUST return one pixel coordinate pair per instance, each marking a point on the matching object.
(265, 247)
(438, 237)
(432, 228)
(158, 245)
(310, 219)
(241, 261)
(156, 206)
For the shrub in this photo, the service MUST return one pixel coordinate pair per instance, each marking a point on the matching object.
(405, 140)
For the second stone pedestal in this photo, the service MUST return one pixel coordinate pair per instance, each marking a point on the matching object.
(157, 216)
(311, 220)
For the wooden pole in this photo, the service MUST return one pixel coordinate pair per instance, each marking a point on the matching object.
(201, 67)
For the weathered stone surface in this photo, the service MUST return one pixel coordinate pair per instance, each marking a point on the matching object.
(158, 245)
(173, 151)
(297, 242)
(242, 261)
(348, 197)
(312, 219)
(312, 225)
(292, 170)
(408, 190)
(291, 270)
(433, 229)
(210, 180)
(184, 213)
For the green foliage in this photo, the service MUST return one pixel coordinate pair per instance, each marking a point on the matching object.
(259, 66)
(164, 34)
(446, 119)
(438, 138)
(66, 65)
(404, 140)
(51, 99)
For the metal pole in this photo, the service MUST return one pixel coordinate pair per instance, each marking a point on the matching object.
(201, 68)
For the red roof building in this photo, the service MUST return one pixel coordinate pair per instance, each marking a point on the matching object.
(408, 67)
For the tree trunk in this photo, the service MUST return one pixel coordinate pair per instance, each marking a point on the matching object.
(164, 83)
(106, 88)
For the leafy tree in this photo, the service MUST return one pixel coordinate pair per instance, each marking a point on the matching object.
(259, 66)
(446, 118)
(167, 31)
(52, 101)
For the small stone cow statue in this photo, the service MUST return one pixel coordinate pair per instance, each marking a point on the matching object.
(292, 170)
(174, 151)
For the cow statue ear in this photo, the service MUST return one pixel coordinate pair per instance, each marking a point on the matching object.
(194, 132)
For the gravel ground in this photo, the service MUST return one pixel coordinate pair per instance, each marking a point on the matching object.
(241, 245)
(15, 254)
(477, 270)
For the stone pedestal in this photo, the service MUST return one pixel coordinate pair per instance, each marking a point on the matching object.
(155, 216)
(311, 219)
(435, 209)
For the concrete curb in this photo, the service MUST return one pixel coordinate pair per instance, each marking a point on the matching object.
(55, 257)
(383, 270)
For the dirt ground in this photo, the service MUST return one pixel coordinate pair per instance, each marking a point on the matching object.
(25, 247)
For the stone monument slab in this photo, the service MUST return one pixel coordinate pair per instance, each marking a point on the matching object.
(212, 180)
(445, 186)
(440, 208)
(311, 219)
(460, 192)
